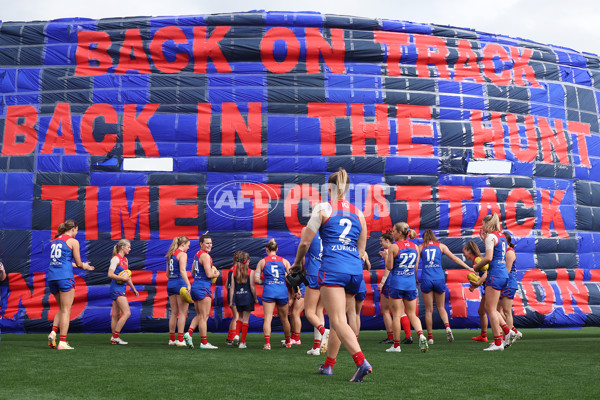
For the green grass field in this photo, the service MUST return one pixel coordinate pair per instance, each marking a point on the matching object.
(544, 364)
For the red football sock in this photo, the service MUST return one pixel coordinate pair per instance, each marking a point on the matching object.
(316, 344)
(190, 332)
(172, 336)
(396, 343)
(429, 335)
(203, 340)
(180, 337)
(419, 333)
(321, 329)
(230, 334)
(505, 329)
(358, 358)
(267, 339)
(330, 362)
(405, 321)
(116, 334)
(498, 340)
(446, 325)
(484, 333)
(55, 329)
(63, 338)
(514, 330)
(238, 327)
(244, 332)
(390, 335)
(287, 339)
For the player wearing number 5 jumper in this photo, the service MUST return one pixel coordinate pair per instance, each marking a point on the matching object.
(343, 231)
(274, 269)
(64, 256)
(497, 279)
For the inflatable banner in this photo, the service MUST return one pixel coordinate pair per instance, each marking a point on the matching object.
(150, 128)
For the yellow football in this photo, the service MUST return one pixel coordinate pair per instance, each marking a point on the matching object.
(485, 267)
(185, 295)
(124, 274)
(473, 277)
(214, 280)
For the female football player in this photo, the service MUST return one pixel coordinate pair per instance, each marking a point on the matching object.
(507, 296)
(243, 294)
(274, 269)
(433, 281)
(343, 231)
(472, 253)
(177, 274)
(118, 284)
(64, 256)
(497, 279)
(203, 271)
(403, 262)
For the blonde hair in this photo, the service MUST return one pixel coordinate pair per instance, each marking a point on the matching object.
(404, 230)
(178, 241)
(65, 227)
(429, 236)
(491, 223)
(341, 181)
(272, 245)
(120, 244)
(240, 261)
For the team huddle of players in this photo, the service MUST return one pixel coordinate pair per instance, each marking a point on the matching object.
(332, 256)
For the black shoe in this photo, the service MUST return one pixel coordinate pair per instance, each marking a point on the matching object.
(386, 341)
(229, 342)
(408, 340)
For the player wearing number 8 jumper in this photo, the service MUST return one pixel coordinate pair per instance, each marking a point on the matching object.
(343, 231)
(64, 256)
(274, 268)
(177, 274)
(402, 262)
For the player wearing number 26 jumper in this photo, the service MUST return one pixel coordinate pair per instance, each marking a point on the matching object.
(64, 256)
(343, 232)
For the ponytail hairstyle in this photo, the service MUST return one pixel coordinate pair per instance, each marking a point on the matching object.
(178, 241)
(491, 223)
(120, 244)
(272, 245)
(240, 261)
(429, 236)
(473, 248)
(509, 239)
(404, 230)
(205, 235)
(66, 227)
(339, 183)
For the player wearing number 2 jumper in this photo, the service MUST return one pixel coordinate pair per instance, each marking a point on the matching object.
(274, 269)
(64, 256)
(343, 231)
(433, 281)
